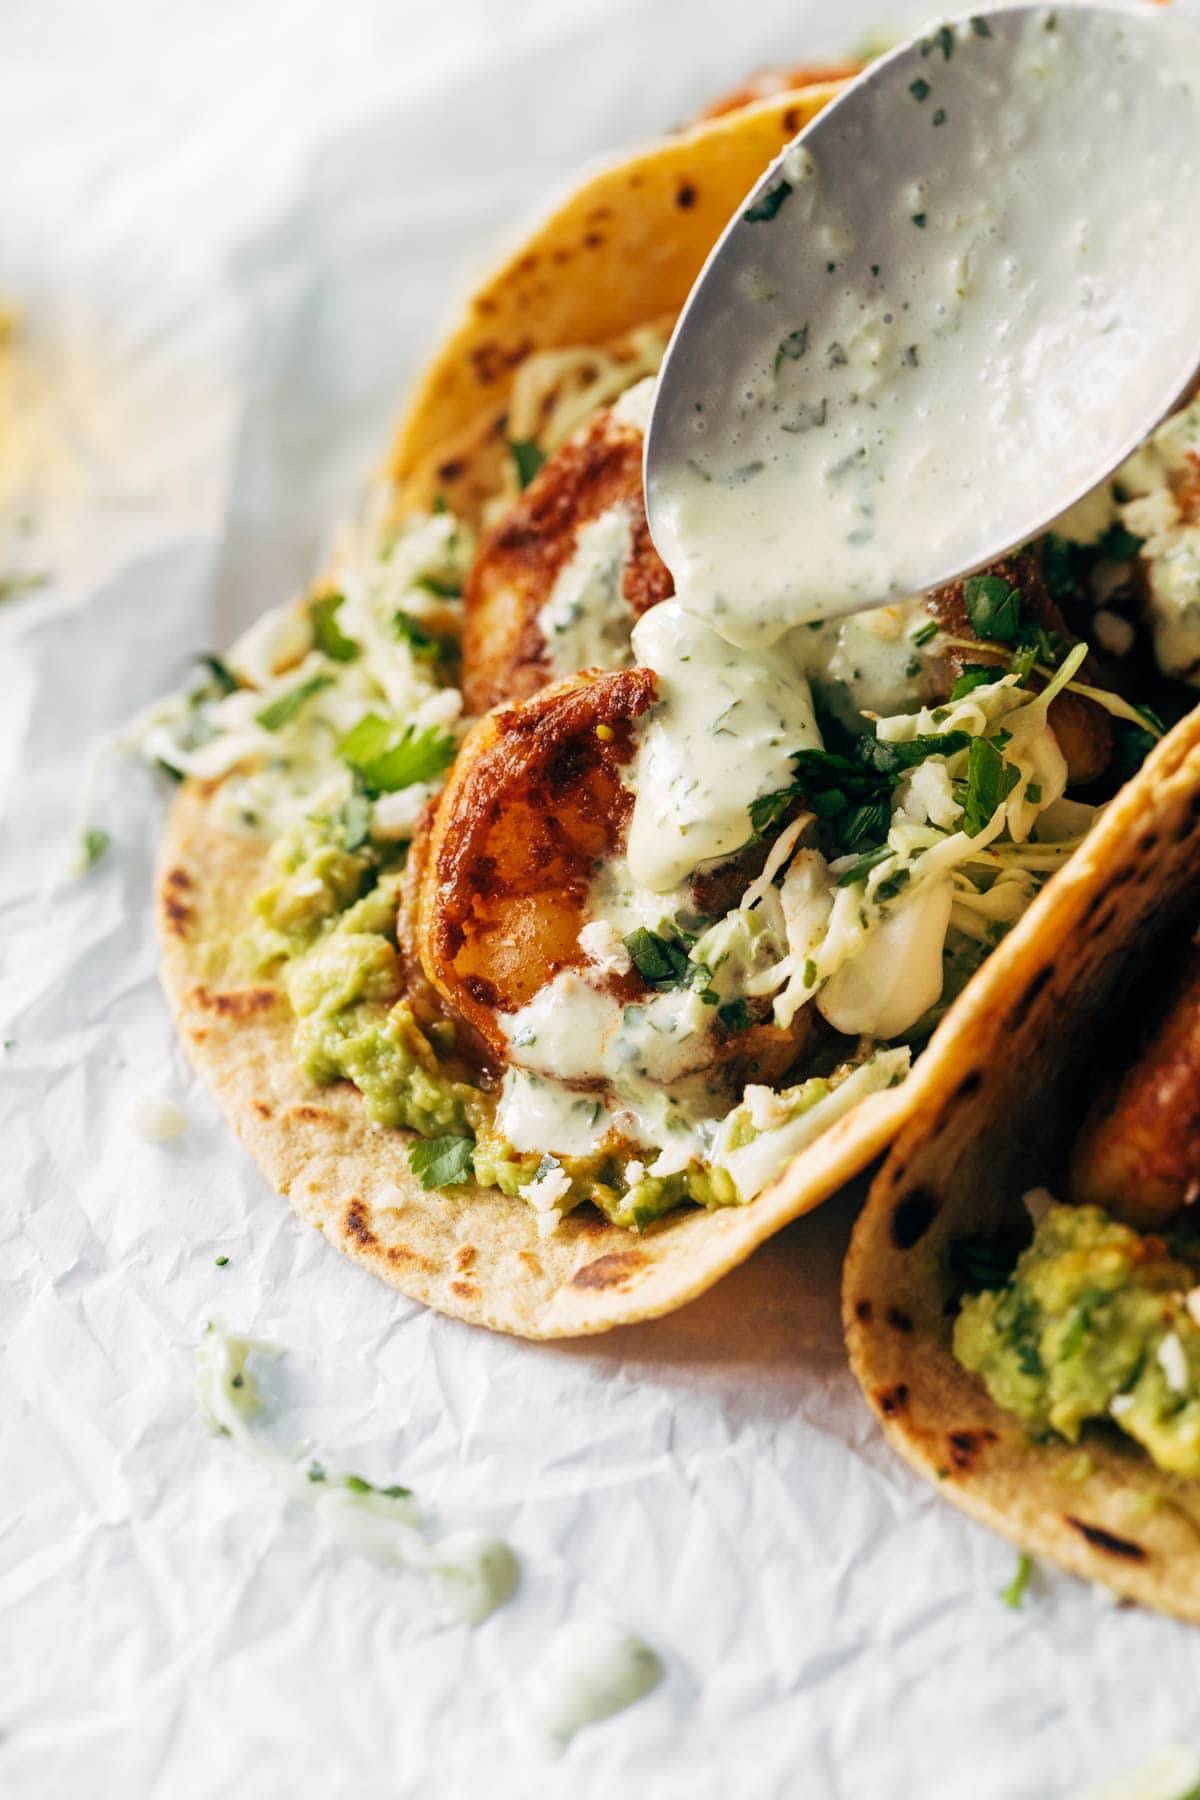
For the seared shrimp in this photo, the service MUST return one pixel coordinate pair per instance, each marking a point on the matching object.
(536, 801)
(1084, 730)
(593, 484)
(1138, 1154)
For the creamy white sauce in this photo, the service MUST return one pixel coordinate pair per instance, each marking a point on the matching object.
(586, 621)
(588, 1671)
(535, 1114)
(473, 1571)
(574, 1032)
(723, 733)
(885, 425)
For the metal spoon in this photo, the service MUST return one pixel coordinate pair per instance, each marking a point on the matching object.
(954, 305)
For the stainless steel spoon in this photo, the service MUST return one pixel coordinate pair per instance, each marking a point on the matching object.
(948, 310)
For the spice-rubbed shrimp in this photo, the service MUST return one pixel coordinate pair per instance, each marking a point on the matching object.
(535, 803)
(1138, 1154)
(1084, 730)
(566, 571)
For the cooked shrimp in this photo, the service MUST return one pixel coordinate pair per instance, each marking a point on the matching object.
(536, 801)
(1084, 730)
(1138, 1154)
(593, 483)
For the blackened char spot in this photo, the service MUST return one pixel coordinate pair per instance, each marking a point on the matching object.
(898, 1320)
(686, 195)
(968, 1085)
(1107, 1540)
(862, 1311)
(892, 1400)
(1022, 1009)
(912, 1219)
(963, 1446)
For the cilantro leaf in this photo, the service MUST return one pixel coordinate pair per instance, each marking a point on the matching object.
(792, 347)
(440, 589)
(894, 758)
(867, 826)
(442, 1162)
(862, 868)
(734, 1015)
(1119, 544)
(658, 960)
(1014, 1593)
(979, 1262)
(989, 781)
(527, 459)
(385, 764)
(993, 607)
(1062, 567)
(93, 844)
(411, 632)
(281, 712)
(327, 633)
(768, 204)
(223, 678)
(353, 818)
(974, 675)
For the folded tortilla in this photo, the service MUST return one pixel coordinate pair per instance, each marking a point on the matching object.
(1003, 1089)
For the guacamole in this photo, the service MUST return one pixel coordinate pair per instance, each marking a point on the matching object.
(1094, 1323)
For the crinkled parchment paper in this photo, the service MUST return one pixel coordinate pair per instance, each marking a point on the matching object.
(231, 229)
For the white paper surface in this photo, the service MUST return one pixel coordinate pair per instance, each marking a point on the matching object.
(233, 229)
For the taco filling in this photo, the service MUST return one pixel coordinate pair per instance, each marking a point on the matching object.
(606, 911)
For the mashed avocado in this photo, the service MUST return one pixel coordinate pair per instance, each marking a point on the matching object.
(1094, 1323)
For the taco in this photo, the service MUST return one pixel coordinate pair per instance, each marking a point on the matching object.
(1022, 1291)
(548, 955)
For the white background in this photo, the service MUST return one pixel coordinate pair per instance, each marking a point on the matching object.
(232, 229)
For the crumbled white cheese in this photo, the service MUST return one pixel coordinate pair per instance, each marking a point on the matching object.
(673, 1160)
(765, 1107)
(1120, 1404)
(550, 1185)
(602, 945)
(157, 1119)
(634, 1172)
(1113, 633)
(1152, 516)
(1173, 1363)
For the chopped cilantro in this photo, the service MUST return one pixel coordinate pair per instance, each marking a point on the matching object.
(920, 88)
(918, 220)
(527, 459)
(328, 635)
(979, 1263)
(1119, 544)
(315, 1471)
(993, 607)
(989, 781)
(768, 204)
(224, 680)
(385, 764)
(939, 117)
(734, 1015)
(926, 633)
(974, 675)
(1033, 793)
(809, 973)
(92, 846)
(980, 26)
(411, 632)
(281, 712)
(894, 759)
(792, 347)
(442, 1162)
(862, 868)
(441, 590)
(1014, 1593)
(222, 1261)
(661, 961)
(891, 885)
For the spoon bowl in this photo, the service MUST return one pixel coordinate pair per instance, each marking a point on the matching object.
(951, 307)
